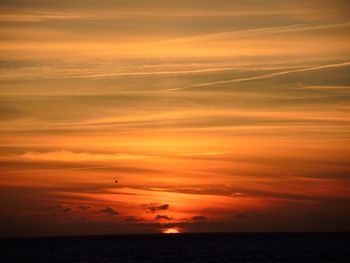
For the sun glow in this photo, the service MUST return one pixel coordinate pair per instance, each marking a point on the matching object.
(171, 231)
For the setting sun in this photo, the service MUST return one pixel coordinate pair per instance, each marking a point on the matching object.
(172, 230)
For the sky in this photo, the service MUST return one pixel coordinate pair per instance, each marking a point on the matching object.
(214, 116)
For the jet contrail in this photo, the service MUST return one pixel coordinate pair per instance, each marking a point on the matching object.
(264, 76)
(257, 32)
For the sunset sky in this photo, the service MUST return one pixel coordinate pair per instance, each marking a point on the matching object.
(213, 115)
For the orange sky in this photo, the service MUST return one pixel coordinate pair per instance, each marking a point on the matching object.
(213, 116)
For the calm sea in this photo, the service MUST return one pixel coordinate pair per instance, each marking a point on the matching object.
(242, 247)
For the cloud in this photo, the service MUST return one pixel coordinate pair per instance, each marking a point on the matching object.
(110, 211)
(131, 219)
(10, 113)
(214, 153)
(60, 208)
(70, 156)
(83, 207)
(240, 215)
(199, 218)
(237, 194)
(158, 217)
(44, 16)
(155, 207)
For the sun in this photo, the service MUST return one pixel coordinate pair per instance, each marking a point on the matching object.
(172, 230)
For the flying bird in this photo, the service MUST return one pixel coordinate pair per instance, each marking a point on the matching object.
(116, 181)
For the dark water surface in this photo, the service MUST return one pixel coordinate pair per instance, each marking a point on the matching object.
(239, 247)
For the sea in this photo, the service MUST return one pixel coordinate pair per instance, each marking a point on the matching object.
(214, 247)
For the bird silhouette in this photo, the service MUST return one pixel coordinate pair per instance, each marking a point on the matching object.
(116, 181)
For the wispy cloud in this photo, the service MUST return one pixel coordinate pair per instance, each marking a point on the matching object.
(77, 156)
(31, 16)
(213, 153)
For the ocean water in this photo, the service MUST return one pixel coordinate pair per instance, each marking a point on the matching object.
(239, 247)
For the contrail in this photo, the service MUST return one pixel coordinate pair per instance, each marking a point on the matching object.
(179, 72)
(257, 32)
(264, 76)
